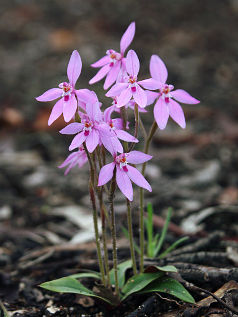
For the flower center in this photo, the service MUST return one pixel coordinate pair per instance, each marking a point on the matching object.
(114, 57)
(121, 160)
(87, 127)
(67, 90)
(165, 92)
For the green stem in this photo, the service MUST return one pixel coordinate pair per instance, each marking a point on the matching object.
(95, 216)
(142, 237)
(113, 231)
(130, 231)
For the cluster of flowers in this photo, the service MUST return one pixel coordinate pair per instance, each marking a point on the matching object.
(97, 128)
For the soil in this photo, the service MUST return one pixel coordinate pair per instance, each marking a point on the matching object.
(46, 229)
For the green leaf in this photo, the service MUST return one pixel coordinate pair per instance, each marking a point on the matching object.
(163, 233)
(70, 285)
(121, 271)
(138, 282)
(172, 247)
(92, 274)
(166, 268)
(170, 286)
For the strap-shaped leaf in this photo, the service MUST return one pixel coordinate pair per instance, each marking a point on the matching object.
(166, 268)
(92, 274)
(170, 286)
(121, 271)
(70, 285)
(137, 282)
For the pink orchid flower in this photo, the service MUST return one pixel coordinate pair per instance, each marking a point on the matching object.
(68, 102)
(166, 106)
(125, 173)
(116, 127)
(93, 131)
(131, 87)
(113, 62)
(76, 158)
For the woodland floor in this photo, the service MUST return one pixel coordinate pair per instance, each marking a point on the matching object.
(46, 227)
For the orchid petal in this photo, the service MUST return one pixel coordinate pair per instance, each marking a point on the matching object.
(112, 144)
(137, 157)
(138, 178)
(176, 113)
(116, 89)
(158, 69)
(112, 75)
(56, 111)
(149, 84)
(50, 95)
(183, 96)
(124, 183)
(74, 68)
(100, 74)
(68, 159)
(86, 95)
(127, 37)
(107, 113)
(151, 96)
(92, 140)
(118, 123)
(69, 108)
(106, 173)
(124, 97)
(72, 128)
(101, 62)
(125, 136)
(161, 113)
(77, 141)
(132, 63)
(93, 111)
(140, 97)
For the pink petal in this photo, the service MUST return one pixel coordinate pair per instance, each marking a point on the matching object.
(125, 136)
(161, 113)
(151, 96)
(93, 111)
(92, 140)
(137, 157)
(140, 97)
(86, 95)
(184, 97)
(138, 178)
(124, 183)
(176, 113)
(127, 37)
(50, 95)
(116, 89)
(132, 63)
(100, 74)
(118, 123)
(158, 69)
(74, 68)
(112, 144)
(77, 141)
(56, 111)
(68, 159)
(72, 128)
(112, 75)
(106, 174)
(69, 108)
(124, 97)
(101, 62)
(107, 113)
(149, 84)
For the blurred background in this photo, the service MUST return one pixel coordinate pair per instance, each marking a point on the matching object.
(192, 169)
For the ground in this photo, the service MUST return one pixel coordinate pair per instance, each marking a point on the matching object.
(45, 217)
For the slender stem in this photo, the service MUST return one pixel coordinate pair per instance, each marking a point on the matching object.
(129, 221)
(95, 216)
(113, 231)
(143, 128)
(142, 237)
(123, 113)
(136, 126)
(104, 234)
